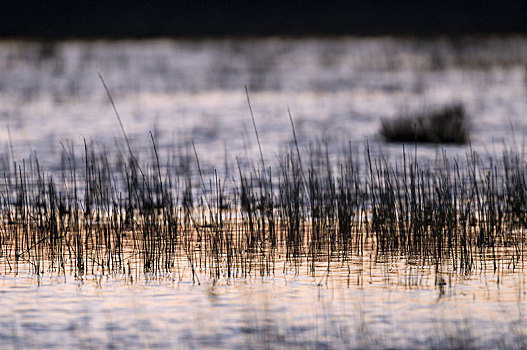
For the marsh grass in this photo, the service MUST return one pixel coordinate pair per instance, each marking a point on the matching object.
(105, 213)
(117, 214)
(448, 124)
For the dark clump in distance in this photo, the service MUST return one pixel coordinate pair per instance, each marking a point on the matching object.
(446, 125)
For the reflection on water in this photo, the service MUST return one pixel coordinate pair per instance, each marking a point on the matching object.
(364, 304)
(337, 90)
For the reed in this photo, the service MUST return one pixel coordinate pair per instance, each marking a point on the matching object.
(448, 124)
(104, 213)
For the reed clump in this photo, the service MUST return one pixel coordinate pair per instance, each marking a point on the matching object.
(448, 124)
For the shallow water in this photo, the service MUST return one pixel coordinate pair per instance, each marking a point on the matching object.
(337, 90)
(363, 303)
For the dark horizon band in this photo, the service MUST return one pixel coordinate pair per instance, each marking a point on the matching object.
(117, 19)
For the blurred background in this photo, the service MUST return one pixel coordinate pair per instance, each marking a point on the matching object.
(180, 69)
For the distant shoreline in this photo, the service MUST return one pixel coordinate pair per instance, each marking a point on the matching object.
(61, 19)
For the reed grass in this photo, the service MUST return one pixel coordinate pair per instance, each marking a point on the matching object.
(107, 213)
